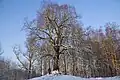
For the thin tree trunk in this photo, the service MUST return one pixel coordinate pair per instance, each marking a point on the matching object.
(74, 66)
(15, 75)
(74, 63)
(49, 69)
(41, 68)
(65, 65)
(45, 67)
(29, 70)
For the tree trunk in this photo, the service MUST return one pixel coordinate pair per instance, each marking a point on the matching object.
(15, 75)
(65, 65)
(74, 64)
(55, 62)
(29, 70)
(73, 67)
(45, 67)
(41, 68)
(49, 69)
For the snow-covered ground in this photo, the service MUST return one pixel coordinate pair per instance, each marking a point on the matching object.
(69, 77)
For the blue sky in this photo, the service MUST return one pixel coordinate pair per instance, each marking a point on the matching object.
(12, 13)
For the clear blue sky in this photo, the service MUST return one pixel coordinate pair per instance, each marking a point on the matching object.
(12, 13)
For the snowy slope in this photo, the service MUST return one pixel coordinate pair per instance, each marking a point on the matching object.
(69, 77)
(58, 77)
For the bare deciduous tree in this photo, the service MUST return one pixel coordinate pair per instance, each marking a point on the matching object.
(50, 26)
(29, 57)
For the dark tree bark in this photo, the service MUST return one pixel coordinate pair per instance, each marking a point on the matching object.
(29, 70)
(49, 69)
(55, 63)
(41, 67)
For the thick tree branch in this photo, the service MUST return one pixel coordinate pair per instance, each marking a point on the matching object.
(51, 21)
(17, 56)
(62, 51)
(48, 34)
(21, 62)
(65, 20)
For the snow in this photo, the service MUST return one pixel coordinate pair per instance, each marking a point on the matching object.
(55, 72)
(58, 77)
(69, 77)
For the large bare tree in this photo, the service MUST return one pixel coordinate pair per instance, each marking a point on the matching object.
(51, 25)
